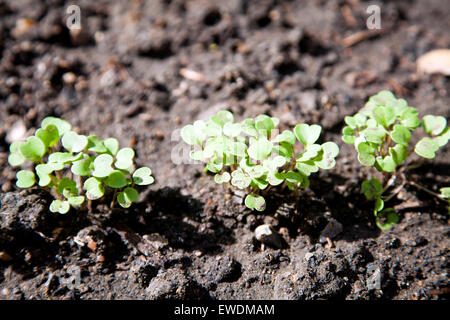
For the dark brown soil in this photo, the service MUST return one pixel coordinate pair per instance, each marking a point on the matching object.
(188, 237)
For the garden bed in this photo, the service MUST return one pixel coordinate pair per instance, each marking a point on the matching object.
(141, 70)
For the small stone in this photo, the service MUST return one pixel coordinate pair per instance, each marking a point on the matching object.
(331, 230)
(23, 26)
(268, 236)
(435, 61)
(17, 132)
(69, 78)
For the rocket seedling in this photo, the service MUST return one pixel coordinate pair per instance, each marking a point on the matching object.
(381, 133)
(76, 168)
(251, 155)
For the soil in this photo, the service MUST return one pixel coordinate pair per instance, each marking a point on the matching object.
(127, 75)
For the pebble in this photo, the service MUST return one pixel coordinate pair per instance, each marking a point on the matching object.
(435, 61)
(331, 230)
(17, 132)
(267, 235)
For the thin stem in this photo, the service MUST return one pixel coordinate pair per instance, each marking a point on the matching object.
(418, 186)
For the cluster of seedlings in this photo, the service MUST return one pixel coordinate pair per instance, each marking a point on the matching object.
(75, 168)
(251, 155)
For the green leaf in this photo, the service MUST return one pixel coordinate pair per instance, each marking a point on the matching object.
(391, 219)
(401, 135)
(66, 183)
(399, 153)
(44, 170)
(25, 179)
(443, 138)
(111, 145)
(351, 123)
(74, 142)
(387, 163)
(127, 197)
(102, 166)
(366, 154)
(232, 129)
(116, 179)
(257, 202)
(307, 167)
(240, 179)
(221, 178)
(248, 127)
(238, 149)
(124, 158)
(445, 192)
(62, 125)
(76, 201)
(286, 136)
(410, 118)
(426, 148)
(33, 149)
(49, 135)
(195, 134)
(330, 151)
(15, 158)
(275, 178)
(96, 145)
(259, 148)
(215, 166)
(264, 124)
(384, 115)
(142, 176)
(307, 134)
(375, 135)
(82, 167)
(94, 188)
(64, 157)
(434, 125)
(311, 152)
(222, 117)
(379, 205)
(372, 188)
(58, 206)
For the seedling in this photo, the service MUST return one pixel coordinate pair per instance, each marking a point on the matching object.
(251, 155)
(381, 133)
(85, 168)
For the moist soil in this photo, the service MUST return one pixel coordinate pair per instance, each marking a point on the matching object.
(140, 70)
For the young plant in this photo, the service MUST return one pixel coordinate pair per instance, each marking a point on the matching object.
(381, 133)
(253, 156)
(76, 167)
(445, 195)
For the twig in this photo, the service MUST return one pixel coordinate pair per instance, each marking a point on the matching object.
(360, 36)
(418, 186)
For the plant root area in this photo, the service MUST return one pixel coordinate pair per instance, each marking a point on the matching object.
(141, 70)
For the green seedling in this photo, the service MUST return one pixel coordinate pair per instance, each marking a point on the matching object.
(76, 168)
(445, 195)
(251, 155)
(381, 133)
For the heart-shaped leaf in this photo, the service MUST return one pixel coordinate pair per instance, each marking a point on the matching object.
(384, 115)
(401, 135)
(25, 179)
(307, 167)
(67, 183)
(330, 151)
(59, 206)
(96, 145)
(44, 170)
(286, 136)
(307, 134)
(259, 148)
(15, 157)
(76, 201)
(248, 127)
(445, 192)
(33, 149)
(410, 118)
(232, 129)
(372, 188)
(127, 197)
(366, 154)
(275, 178)
(426, 148)
(142, 176)
(124, 158)
(64, 157)
(49, 135)
(94, 188)
(74, 142)
(311, 152)
(116, 179)
(240, 179)
(434, 125)
(102, 165)
(82, 167)
(387, 164)
(222, 117)
(62, 125)
(112, 145)
(257, 202)
(391, 219)
(222, 178)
